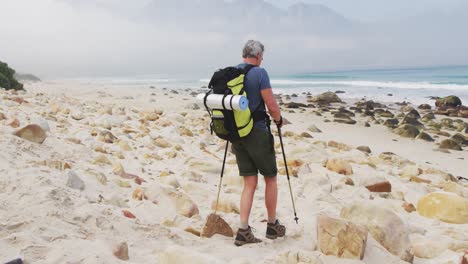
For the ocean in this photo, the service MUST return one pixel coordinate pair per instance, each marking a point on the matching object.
(415, 85)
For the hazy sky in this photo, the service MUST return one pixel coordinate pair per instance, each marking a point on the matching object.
(81, 38)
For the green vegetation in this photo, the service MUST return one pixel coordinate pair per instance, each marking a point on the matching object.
(7, 79)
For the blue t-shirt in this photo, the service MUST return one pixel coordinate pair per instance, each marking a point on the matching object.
(256, 80)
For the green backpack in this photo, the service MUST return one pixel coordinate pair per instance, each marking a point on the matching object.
(229, 124)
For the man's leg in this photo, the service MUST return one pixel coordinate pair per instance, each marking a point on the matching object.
(250, 184)
(271, 198)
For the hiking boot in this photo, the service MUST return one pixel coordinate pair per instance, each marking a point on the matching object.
(275, 230)
(245, 236)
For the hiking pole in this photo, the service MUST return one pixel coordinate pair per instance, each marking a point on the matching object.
(287, 174)
(221, 178)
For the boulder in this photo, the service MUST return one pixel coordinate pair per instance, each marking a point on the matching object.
(216, 225)
(424, 107)
(425, 136)
(183, 203)
(305, 135)
(447, 207)
(314, 129)
(411, 121)
(295, 105)
(383, 186)
(428, 116)
(450, 144)
(384, 225)
(338, 145)
(341, 238)
(33, 133)
(325, 98)
(345, 121)
(406, 130)
(364, 149)
(74, 181)
(460, 139)
(449, 101)
(391, 123)
(121, 251)
(339, 166)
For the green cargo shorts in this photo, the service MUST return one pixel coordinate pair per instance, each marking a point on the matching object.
(256, 153)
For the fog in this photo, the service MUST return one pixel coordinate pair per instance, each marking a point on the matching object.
(86, 38)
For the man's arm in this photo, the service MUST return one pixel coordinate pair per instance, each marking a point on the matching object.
(270, 101)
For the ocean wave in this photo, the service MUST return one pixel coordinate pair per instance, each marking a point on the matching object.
(377, 84)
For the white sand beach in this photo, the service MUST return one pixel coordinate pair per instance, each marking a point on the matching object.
(137, 168)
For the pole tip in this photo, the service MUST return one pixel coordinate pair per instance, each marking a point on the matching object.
(297, 219)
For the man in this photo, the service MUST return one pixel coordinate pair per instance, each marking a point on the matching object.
(255, 152)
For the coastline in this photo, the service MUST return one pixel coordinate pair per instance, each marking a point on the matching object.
(164, 139)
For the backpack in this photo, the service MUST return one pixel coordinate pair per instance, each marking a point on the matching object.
(228, 124)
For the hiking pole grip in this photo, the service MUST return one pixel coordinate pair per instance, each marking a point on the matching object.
(221, 177)
(287, 173)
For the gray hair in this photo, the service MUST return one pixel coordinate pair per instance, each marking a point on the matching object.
(252, 48)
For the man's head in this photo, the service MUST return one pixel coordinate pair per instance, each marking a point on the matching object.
(253, 52)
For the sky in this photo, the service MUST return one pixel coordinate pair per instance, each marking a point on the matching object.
(105, 38)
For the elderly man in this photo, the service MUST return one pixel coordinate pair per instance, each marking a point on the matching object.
(255, 153)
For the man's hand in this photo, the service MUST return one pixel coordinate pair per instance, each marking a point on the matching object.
(281, 122)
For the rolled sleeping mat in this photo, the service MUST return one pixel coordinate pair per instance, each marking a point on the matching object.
(231, 102)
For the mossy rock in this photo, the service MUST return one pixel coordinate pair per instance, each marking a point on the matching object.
(407, 130)
(446, 122)
(450, 144)
(449, 101)
(414, 114)
(425, 136)
(460, 139)
(424, 107)
(410, 120)
(427, 117)
(391, 123)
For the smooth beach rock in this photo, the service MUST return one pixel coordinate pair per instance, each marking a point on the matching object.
(345, 121)
(413, 113)
(294, 105)
(121, 251)
(450, 144)
(408, 131)
(33, 133)
(429, 248)
(216, 225)
(138, 194)
(364, 149)
(77, 115)
(325, 98)
(460, 139)
(391, 123)
(162, 143)
(183, 203)
(408, 120)
(425, 136)
(428, 117)
(339, 166)
(226, 205)
(102, 159)
(305, 135)
(447, 207)
(340, 146)
(74, 181)
(183, 131)
(384, 225)
(449, 101)
(341, 238)
(314, 129)
(106, 136)
(409, 207)
(424, 107)
(384, 186)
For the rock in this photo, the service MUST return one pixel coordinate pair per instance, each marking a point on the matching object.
(364, 149)
(384, 186)
(341, 238)
(340, 146)
(447, 207)
(339, 166)
(460, 139)
(216, 225)
(107, 137)
(385, 226)
(411, 121)
(306, 135)
(33, 133)
(77, 115)
(184, 205)
(424, 107)
(413, 113)
(449, 101)
(450, 144)
(409, 207)
(225, 205)
(74, 181)
(121, 251)
(128, 214)
(314, 129)
(408, 131)
(428, 116)
(295, 105)
(101, 159)
(183, 131)
(465, 258)
(2, 116)
(419, 180)
(162, 143)
(391, 123)
(124, 145)
(138, 194)
(345, 121)
(425, 136)
(325, 98)
(42, 123)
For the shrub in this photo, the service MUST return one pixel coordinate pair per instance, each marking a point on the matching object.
(7, 79)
